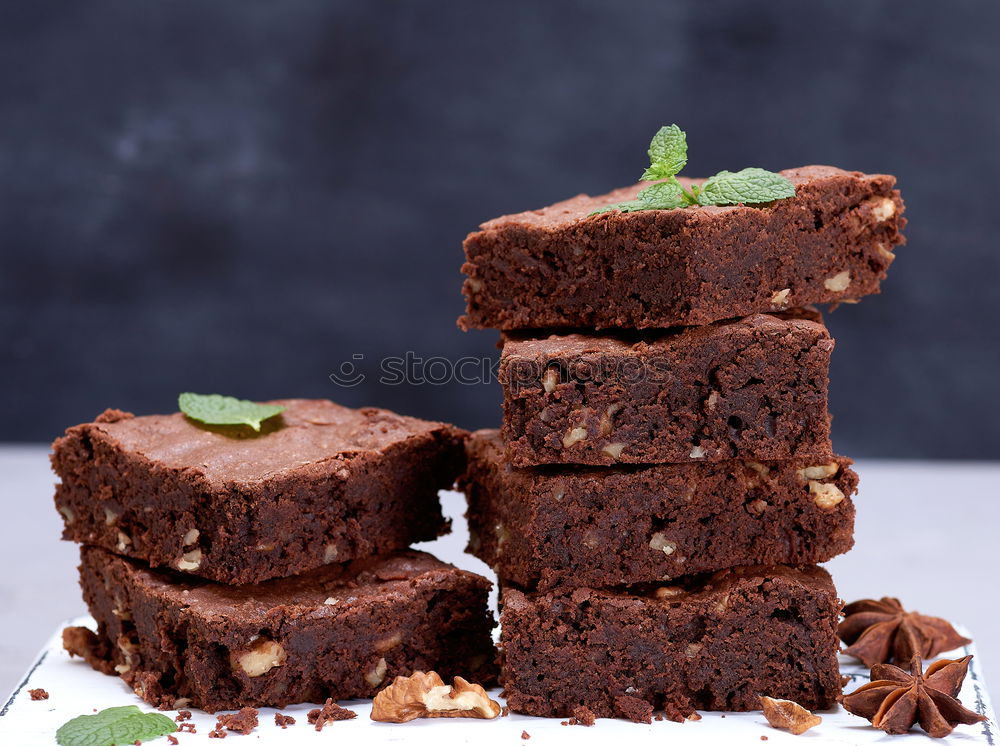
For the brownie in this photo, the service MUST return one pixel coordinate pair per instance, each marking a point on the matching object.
(753, 388)
(605, 526)
(563, 267)
(341, 631)
(322, 483)
(714, 643)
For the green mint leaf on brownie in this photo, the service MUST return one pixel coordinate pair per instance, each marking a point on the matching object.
(664, 195)
(749, 186)
(667, 154)
(114, 726)
(215, 409)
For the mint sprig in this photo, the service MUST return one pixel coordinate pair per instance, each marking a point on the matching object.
(115, 726)
(215, 409)
(668, 155)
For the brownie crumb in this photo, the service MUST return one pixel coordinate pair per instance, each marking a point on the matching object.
(83, 643)
(283, 720)
(582, 716)
(172, 741)
(328, 713)
(635, 709)
(241, 722)
(658, 718)
(217, 732)
(504, 711)
(186, 728)
(763, 738)
(182, 716)
(37, 694)
(525, 735)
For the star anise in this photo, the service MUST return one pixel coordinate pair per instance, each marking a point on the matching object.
(894, 700)
(881, 631)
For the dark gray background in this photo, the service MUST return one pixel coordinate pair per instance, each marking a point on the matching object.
(238, 196)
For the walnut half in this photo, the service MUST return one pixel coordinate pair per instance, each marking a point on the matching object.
(425, 695)
(788, 715)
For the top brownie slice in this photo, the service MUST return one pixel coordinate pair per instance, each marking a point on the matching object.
(322, 483)
(561, 266)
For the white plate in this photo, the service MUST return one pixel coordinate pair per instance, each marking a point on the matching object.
(75, 689)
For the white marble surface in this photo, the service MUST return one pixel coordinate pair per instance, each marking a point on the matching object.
(927, 533)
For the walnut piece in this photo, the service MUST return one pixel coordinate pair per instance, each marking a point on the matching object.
(614, 450)
(780, 297)
(190, 560)
(825, 495)
(660, 543)
(550, 380)
(838, 283)
(377, 675)
(882, 208)
(823, 471)
(697, 452)
(574, 436)
(788, 715)
(425, 695)
(264, 655)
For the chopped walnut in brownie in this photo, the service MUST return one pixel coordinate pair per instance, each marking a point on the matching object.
(329, 713)
(37, 694)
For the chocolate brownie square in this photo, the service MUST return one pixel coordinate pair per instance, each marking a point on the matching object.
(341, 631)
(714, 643)
(322, 483)
(562, 266)
(753, 388)
(605, 526)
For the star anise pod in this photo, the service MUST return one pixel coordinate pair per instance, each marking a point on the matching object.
(894, 700)
(881, 631)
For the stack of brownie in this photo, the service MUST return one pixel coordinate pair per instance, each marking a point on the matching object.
(230, 569)
(663, 484)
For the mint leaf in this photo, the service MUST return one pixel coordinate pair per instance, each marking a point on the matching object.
(749, 186)
(664, 195)
(115, 726)
(667, 154)
(215, 409)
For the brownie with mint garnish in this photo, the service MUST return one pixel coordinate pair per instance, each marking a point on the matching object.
(319, 484)
(563, 266)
